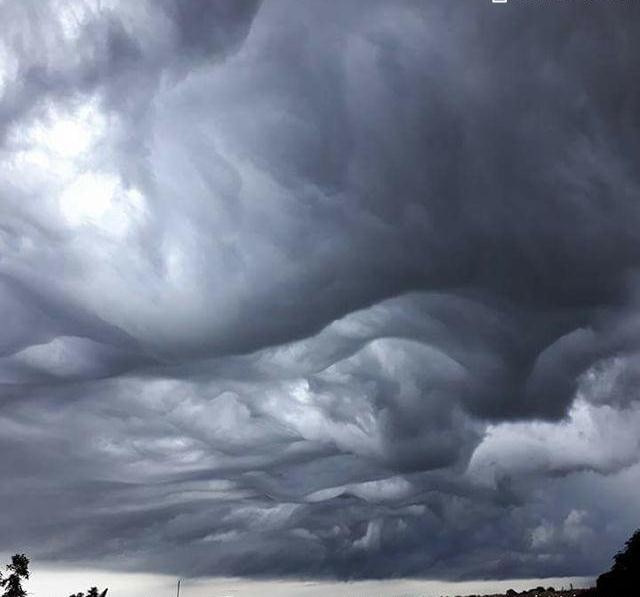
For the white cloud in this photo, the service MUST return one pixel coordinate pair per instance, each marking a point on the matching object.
(591, 437)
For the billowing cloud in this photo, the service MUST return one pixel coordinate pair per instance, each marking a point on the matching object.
(322, 290)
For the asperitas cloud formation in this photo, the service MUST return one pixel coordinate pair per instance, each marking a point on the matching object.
(320, 289)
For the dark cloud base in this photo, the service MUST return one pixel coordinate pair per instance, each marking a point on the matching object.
(320, 289)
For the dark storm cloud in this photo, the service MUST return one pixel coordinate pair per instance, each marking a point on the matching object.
(300, 288)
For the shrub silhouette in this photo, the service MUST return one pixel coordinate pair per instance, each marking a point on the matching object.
(19, 569)
(92, 592)
(623, 580)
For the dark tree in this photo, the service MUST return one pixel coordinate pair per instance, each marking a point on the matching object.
(623, 580)
(92, 592)
(19, 570)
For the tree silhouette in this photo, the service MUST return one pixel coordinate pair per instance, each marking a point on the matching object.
(92, 592)
(19, 569)
(623, 580)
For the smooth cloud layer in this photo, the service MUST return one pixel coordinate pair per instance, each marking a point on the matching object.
(337, 291)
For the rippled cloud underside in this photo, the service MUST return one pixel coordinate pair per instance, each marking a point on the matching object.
(320, 289)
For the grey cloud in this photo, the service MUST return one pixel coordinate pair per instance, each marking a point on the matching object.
(318, 290)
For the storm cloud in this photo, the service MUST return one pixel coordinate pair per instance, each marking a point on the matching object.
(320, 289)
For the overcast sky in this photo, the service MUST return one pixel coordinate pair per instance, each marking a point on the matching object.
(320, 289)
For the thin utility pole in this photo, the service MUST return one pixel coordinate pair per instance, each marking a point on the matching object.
(178, 588)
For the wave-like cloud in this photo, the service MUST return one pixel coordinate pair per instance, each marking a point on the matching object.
(304, 289)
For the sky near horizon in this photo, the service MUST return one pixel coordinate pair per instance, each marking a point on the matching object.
(59, 581)
(322, 290)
